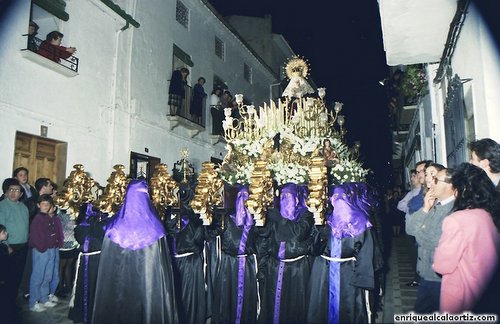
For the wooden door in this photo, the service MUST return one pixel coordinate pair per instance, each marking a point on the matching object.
(142, 166)
(43, 157)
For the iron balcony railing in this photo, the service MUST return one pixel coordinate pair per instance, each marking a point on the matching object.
(185, 111)
(33, 45)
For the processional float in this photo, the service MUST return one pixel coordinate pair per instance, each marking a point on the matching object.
(296, 138)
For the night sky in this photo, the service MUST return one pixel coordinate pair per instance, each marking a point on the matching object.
(342, 40)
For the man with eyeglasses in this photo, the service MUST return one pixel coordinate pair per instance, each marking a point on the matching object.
(14, 215)
(418, 200)
(425, 225)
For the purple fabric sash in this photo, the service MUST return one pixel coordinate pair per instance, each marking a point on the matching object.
(89, 212)
(241, 272)
(334, 280)
(85, 278)
(136, 225)
(242, 216)
(279, 282)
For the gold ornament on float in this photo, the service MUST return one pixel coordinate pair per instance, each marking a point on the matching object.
(78, 189)
(297, 67)
(296, 138)
(260, 193)
(164, 190)
(209, 193)
(114, 193)
(318, 185)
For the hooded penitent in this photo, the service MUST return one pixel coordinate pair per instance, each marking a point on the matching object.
(135, 266)
(292, 201)
(136, 225)
(347, 221)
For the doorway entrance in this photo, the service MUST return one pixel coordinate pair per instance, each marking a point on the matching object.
(142, 166)
(43, 157)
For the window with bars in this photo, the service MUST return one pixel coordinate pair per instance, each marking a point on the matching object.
(247, 72)
(220, 48)
(182, 14)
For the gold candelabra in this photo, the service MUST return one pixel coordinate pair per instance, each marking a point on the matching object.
(306, 116)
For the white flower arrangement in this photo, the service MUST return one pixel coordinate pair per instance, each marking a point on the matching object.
(303, 146)
(241, 175)
(283, 169)
(348, 171)
(340, 148)
(289, 172)
(252, 148)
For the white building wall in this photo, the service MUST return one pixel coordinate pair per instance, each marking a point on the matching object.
(118, 101)
(151, 68)
(74, 109)
(436, 97)
(476, 57)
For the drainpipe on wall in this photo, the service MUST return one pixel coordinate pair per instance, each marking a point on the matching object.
(451, 41)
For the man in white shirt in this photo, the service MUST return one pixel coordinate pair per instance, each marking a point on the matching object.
(416, 186)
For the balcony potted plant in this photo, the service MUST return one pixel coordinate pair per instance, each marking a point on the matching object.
(414, 83)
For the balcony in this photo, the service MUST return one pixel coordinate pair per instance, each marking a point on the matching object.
(184, 118)
(415, 31)
(67, 67)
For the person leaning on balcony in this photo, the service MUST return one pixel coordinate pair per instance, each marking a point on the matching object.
(176, 90)
(216, 112)
(51, 47)
(197, 104)
(32, 32)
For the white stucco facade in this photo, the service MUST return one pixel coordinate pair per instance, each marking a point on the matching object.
(117, 104)
(477, 58)
(474, 58)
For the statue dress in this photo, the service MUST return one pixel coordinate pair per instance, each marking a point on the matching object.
(135, 282)
(342, 273)
(288, 265)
